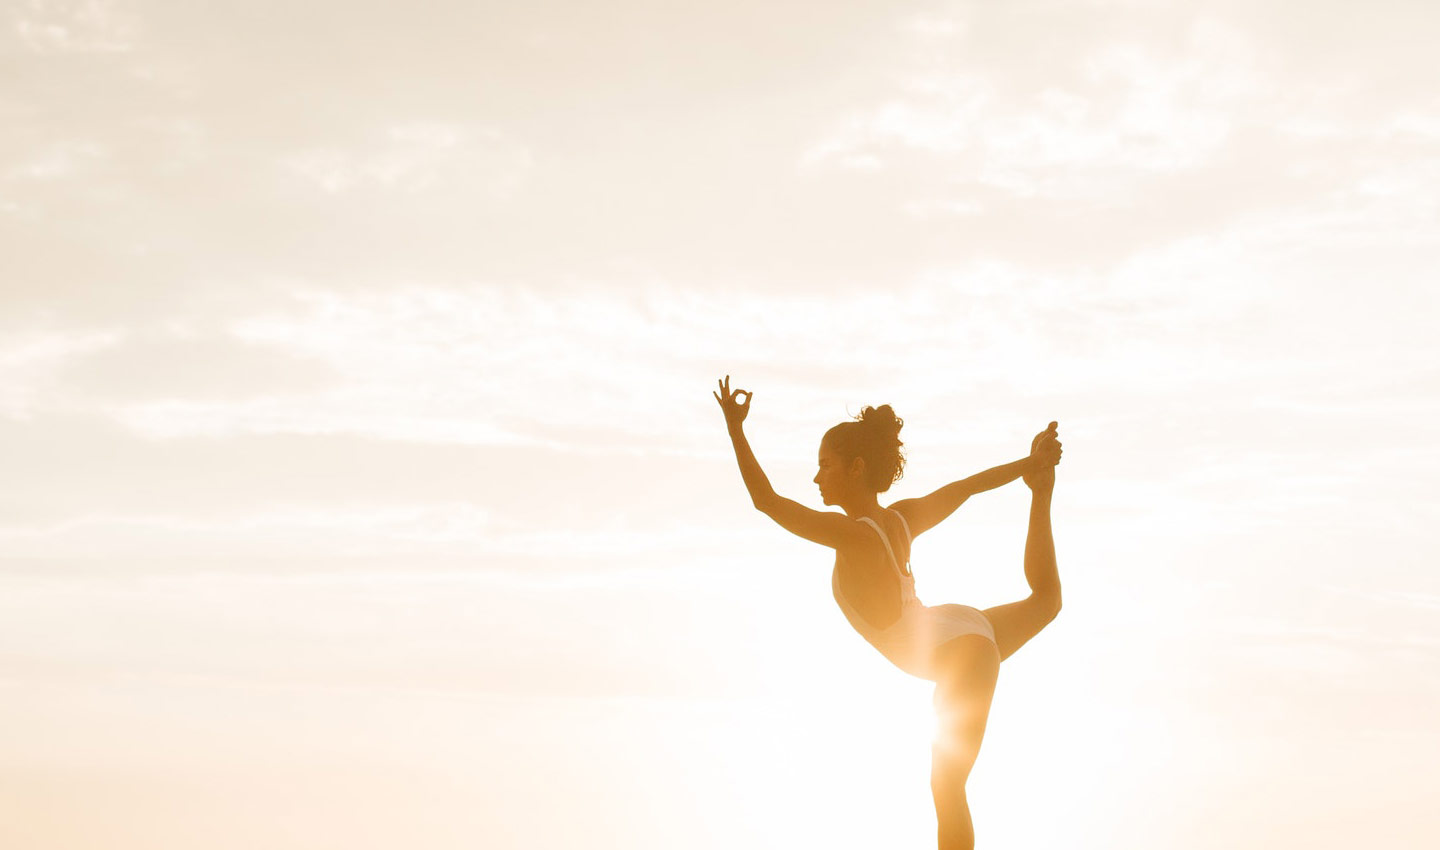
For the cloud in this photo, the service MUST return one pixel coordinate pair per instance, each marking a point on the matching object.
(1086, 150)
(158, 366)
(30, 360)
(278, 530)
(96, 498)
(419, 157)
(505, 365)
(378, 535)
(61, 160)
(1123, 111)
(76, 26)
(1403, 598)
(399, 627)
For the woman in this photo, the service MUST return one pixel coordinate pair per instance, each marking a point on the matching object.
(957, 647)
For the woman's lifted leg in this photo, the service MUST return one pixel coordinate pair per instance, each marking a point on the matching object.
(1017, 622)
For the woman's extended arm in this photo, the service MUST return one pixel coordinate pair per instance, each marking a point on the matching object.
(929, 511)
(926, 512)
(829, 529)
(762, 494)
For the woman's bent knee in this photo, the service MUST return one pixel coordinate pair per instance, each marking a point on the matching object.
(1048, 606)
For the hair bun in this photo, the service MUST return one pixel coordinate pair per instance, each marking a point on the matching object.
(883, 420)
(874, 435)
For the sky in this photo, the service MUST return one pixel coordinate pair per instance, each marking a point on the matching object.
(363, 486)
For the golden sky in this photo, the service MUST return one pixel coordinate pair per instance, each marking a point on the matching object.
(363, 487)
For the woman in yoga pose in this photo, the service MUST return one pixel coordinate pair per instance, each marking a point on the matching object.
(957, 647)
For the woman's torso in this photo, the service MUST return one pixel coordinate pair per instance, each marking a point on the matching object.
(869, 583)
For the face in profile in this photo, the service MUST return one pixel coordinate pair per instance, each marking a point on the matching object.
(834, 476)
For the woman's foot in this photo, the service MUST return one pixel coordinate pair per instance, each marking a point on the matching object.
(1045, 453)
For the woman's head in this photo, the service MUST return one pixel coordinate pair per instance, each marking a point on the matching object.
(864, 453)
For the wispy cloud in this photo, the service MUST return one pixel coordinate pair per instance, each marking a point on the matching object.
(1126, 109)
(75, 26)
(418, 157)
(190, 365)
(30, 360)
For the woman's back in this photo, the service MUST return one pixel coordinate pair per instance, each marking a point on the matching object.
(874, 581)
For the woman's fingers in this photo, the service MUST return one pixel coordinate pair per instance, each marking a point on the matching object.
(729, 399)
(1051, 430)
(726, 392)
(1046, 446)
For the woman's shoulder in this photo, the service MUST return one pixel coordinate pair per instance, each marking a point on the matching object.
(898, 509)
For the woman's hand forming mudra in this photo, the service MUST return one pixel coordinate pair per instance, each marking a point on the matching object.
(1045, 453)
(735, 412)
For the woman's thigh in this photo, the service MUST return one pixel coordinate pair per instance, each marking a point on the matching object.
(1017, 622)
(967, 668)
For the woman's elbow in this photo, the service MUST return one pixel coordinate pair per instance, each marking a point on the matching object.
(764, 502)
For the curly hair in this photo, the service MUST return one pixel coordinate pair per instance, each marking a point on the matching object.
(874, 435)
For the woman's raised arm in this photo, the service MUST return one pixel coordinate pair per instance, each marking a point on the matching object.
(926, 512)
(826, 528)
(761, 493)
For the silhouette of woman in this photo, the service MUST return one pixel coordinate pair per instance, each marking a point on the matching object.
(957, 647)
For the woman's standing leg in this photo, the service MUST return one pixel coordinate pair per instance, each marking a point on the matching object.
(968, 668)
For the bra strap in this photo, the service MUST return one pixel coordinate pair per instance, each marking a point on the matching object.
(905, 525)
(883, 539)
(886, 540)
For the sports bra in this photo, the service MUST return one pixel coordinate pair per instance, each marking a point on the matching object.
(902, 574)
(889, 550)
